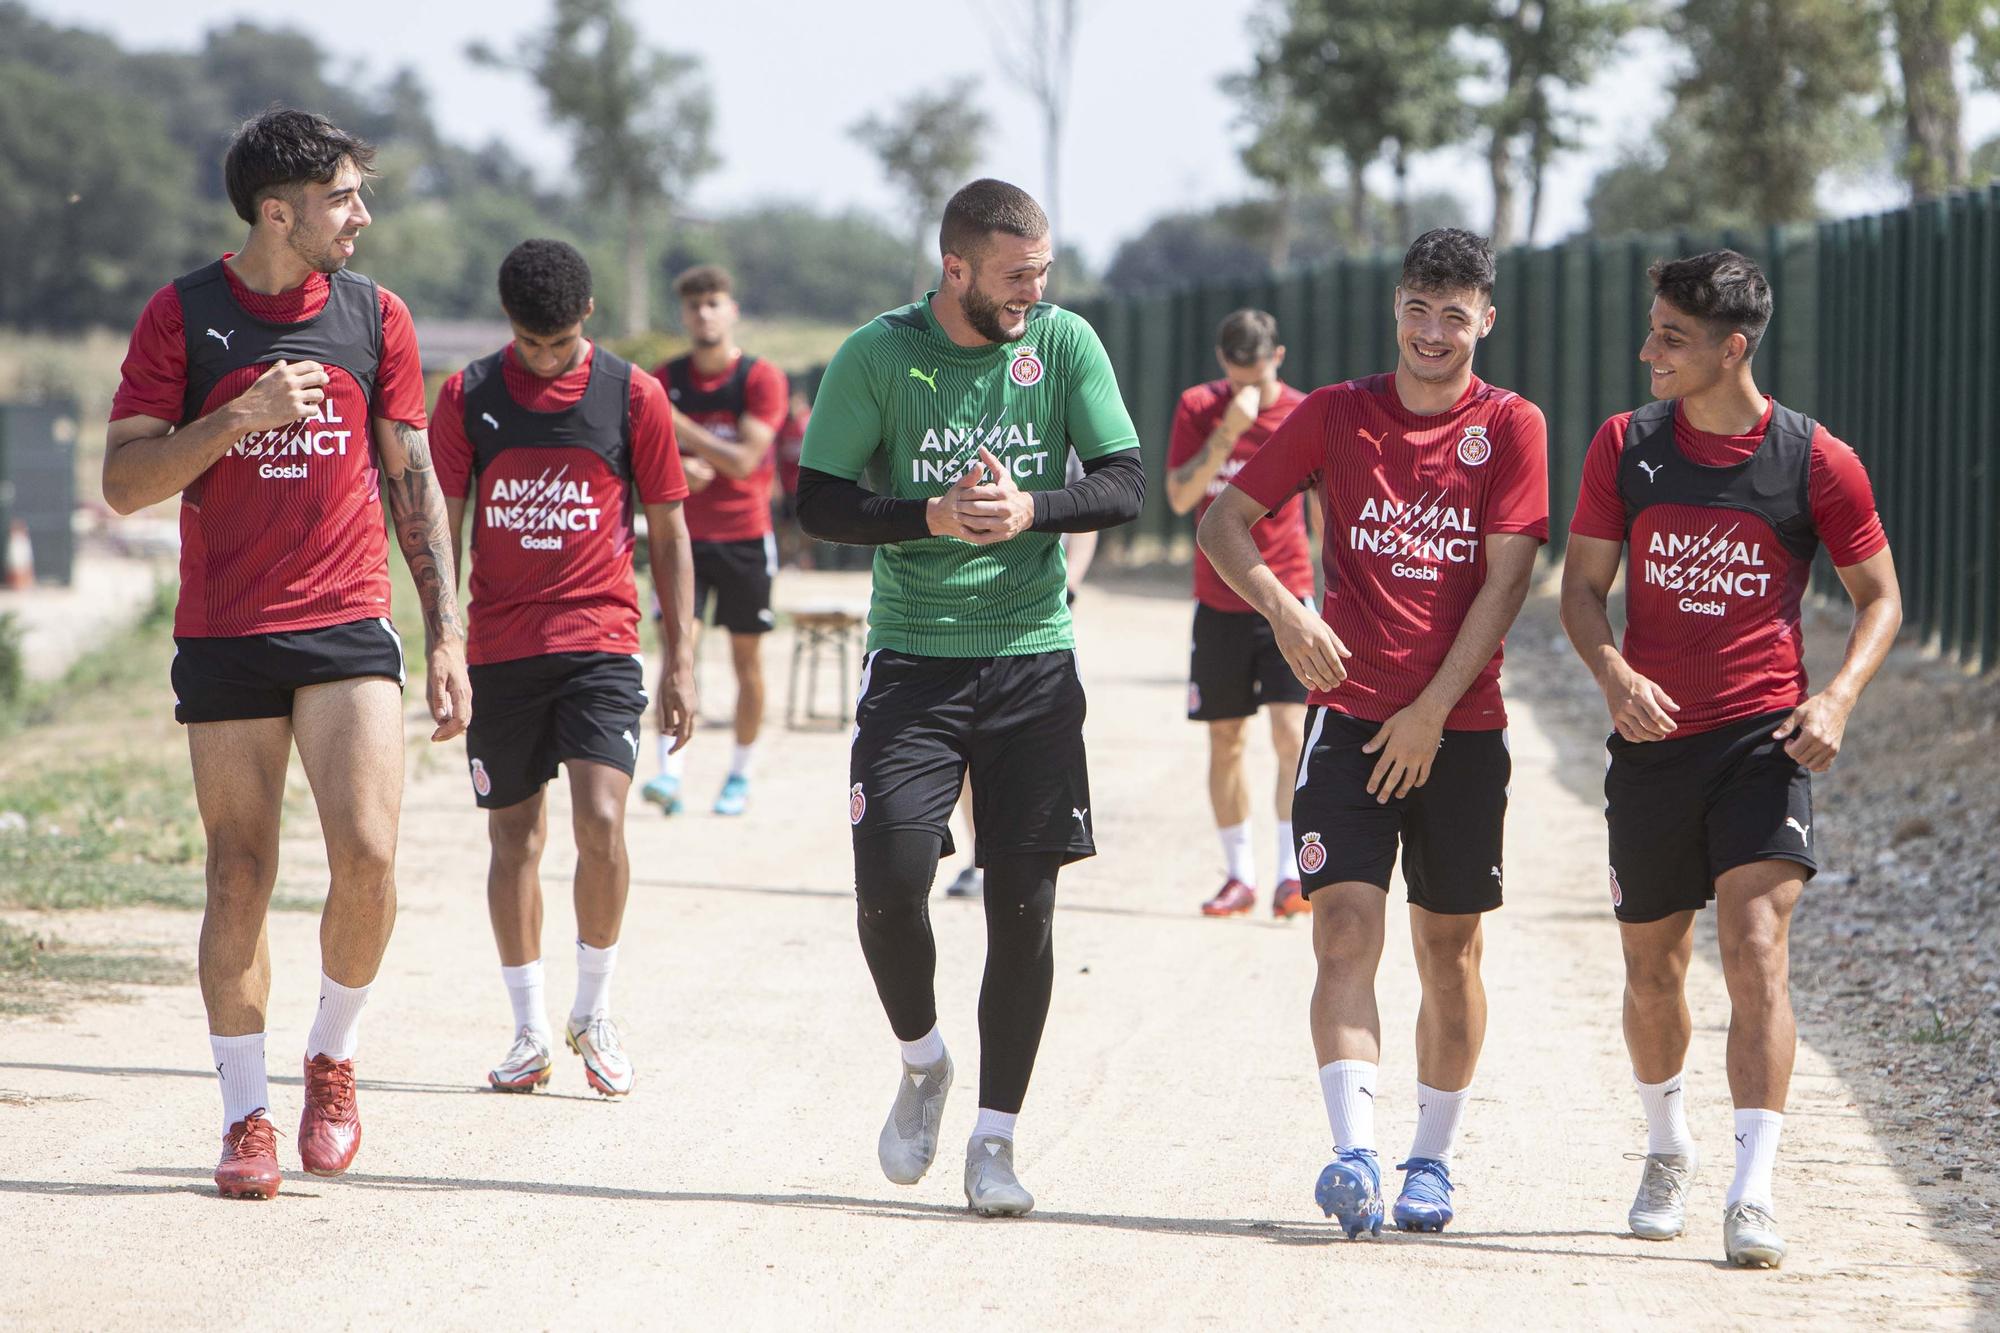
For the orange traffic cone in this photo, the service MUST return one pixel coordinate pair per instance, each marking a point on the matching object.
(20, 558)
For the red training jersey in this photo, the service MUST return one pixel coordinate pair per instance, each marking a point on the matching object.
(1281, 536)
(1731, 647)
(560, 581)
(731, 509)
(285, 531)
(787, 448)
(1409, 501)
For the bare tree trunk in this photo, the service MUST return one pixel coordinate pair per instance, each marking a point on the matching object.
(1357, 206)
(1282, 206)
(1935, 159)
(1500, 165)
(638, 282)
(1402, 165)
(1538, 170)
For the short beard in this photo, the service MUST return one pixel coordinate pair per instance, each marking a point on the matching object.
(983, 314)
(710, 340)
(328, 260)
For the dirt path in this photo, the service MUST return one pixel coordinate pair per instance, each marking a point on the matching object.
(1171, 1139)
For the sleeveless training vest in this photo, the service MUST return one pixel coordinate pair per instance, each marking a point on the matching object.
(1774, 483)
(600, 421)
(220, 336)
(729, 396)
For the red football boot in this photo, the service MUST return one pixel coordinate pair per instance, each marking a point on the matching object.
(330, 1127)
(1289, 900)
(1234, 898)
(249, 1165)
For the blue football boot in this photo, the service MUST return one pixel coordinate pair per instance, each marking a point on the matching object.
(1350, 1190)
(1425, 1203)
(735, 795)
(665, 792)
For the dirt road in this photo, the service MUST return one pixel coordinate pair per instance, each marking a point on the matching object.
(1171, 1139)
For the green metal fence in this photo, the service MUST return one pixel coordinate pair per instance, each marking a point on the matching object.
(1885, 331)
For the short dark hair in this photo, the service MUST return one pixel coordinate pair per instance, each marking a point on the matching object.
(987, 206)
(703, 280)
(1246, 337)
(545, 286)
(281, 150)
(1449, 259)
(1721, 288)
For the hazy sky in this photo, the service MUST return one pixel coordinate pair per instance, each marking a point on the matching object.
(1149, 130)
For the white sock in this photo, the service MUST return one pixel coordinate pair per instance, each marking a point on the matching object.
(739, 760)
(1288, 853)
(1349, 1089)
(593, 981)
(925, 1051)
(524, 990)
(671, 761)
(1236, 855)
(1438, 1114)
(994, 1125)
(338, 1023)
(1756, 1153)
(239, 1063)
(1666, 1117)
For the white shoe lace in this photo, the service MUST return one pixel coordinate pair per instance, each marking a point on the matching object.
(602, 1035)
(527, 1047)
(1664, 1186)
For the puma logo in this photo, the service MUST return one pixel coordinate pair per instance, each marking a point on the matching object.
(1739, 1140)
(490, 420)
(1372, 438)
(930, 379)
(1077, 814)
(1652, 470)
(1369, 1093)
(632, 741)
(222, 338)
(1805, 830)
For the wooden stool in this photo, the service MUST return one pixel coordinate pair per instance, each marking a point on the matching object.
(817, 628)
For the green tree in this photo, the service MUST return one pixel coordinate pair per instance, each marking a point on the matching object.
(1774, 87)
(1377, 77)
(94, 208)
(1539, 50)
(927, 147)
(640, 119)
(1670, 186)
(1284, 151)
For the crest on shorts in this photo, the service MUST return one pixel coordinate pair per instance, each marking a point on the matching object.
(1194, 698)
(1312, 854)
(1617, 893)
(1473, 446)
(857, 804)
(1026, 369)
(481, 781)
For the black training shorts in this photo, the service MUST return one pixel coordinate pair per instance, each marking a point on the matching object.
(533, 713)
(1684, 810)
(738, 576)
(1449, 829)
(1017, 722)
(1235, 668)
(255, 675)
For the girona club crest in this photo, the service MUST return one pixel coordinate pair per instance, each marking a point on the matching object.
(1473, 447)
(1617, 893)
(481, 781)
(857, 804)
(1026, 369)
(1312, 854)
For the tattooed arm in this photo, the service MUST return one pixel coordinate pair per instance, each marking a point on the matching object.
(417, 516)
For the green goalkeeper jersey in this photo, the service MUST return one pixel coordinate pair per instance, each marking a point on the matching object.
(900, 388)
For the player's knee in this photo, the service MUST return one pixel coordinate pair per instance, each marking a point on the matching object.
(1755, 959)
(599, 826)
(1345, 936)
(1654, 978)
(1448, 959)
(364, 862)
(240, 873)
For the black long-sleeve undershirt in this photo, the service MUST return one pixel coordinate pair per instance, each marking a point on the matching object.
(834, 509)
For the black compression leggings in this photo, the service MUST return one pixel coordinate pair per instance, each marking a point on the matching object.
(893, 872)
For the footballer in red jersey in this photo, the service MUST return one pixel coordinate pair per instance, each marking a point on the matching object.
(279, 395)
(1434, 488)
(1716, 499)
(1234, 666)
(727, 407)
(554, 445)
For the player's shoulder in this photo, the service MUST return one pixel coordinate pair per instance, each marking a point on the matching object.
(763, 373)
(1502, 405)
(1830, 451)
(1207, 394)
(647, 388)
